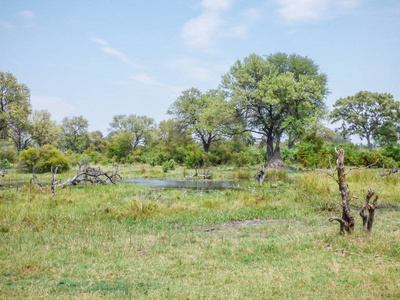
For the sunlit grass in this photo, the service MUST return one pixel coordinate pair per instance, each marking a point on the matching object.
(127, 241)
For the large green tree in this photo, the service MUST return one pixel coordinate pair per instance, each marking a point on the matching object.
(205, 115)
(44, 130)
(74, 131)
(135, 129)
(368, 115)
(14, 105)
(276, 95)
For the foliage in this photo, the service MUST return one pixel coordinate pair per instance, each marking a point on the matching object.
(7, 151)
(392, 150)
(275, 95)
(14, 104)
(74, 133)
(368, 115)
(5, 164)
(44, 130)
(168, 165)
(137, 130)
(43, 158)
(206, 115)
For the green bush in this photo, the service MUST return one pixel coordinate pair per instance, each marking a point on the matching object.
(168, 165)
(5, 164)
(44, 158)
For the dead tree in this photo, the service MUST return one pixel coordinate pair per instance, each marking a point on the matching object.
(207, 174)
(347, 219)
(54, 181)
(368, 221)
(260, 177)
(85, 174)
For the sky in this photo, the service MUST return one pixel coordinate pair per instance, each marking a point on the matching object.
(103, 58)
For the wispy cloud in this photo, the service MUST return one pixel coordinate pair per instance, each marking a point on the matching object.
(58, 107)
(28, 17)
(106, 48)
(200, 70)
(305, 11)
(6, 25)
(150, 81)
(27, 14)
(206, 30)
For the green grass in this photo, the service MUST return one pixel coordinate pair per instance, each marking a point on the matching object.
(131, 242)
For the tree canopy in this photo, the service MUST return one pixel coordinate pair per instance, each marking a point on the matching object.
(14, 104)
(368, 115)
(275, 95)
(206, 115)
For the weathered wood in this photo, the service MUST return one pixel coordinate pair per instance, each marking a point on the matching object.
(347, 220)
(368, 221)
(260, 177)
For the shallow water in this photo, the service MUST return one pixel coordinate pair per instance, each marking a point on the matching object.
(188, 184)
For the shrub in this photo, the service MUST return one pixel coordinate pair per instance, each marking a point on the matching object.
(44, 158)
(5, 164)
(168, 165)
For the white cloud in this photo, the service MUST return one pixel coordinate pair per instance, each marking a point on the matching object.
(27, 14)
(99, 41)
(56, 106)
(216, 4)
(106, 48)
(206, 30)
(305, 11)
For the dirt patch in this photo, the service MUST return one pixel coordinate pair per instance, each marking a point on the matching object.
(240, 224)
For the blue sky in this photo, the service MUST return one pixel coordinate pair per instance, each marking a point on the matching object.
(103, 58)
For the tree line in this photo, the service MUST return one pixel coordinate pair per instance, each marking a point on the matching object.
(265, 109)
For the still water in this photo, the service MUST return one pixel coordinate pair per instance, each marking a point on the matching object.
(206, 185)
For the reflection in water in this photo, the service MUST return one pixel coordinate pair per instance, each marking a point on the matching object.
(207, 185)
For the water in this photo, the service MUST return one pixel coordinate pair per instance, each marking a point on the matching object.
(188, 184)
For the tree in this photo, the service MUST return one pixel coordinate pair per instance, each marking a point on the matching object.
(276, 95)
(367, 115)
(14, 103)
(74, 132)
(206, 115)
(138, 129)
(44, 130)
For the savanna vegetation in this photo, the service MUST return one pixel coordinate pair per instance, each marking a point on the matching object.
(84, 240)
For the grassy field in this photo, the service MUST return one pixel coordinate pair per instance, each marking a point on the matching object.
(131, 242)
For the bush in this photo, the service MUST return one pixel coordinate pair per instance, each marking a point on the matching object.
(44, 158)
(5, 164)
(168, 165)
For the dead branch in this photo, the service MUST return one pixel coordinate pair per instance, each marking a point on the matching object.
(358, 168)
(85, 174)
(368, 221)
(207, 174)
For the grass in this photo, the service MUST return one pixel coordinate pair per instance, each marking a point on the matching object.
(133, 242)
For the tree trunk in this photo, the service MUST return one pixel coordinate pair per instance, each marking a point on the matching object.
(369, 143)
(275, 160)
(347, 220)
